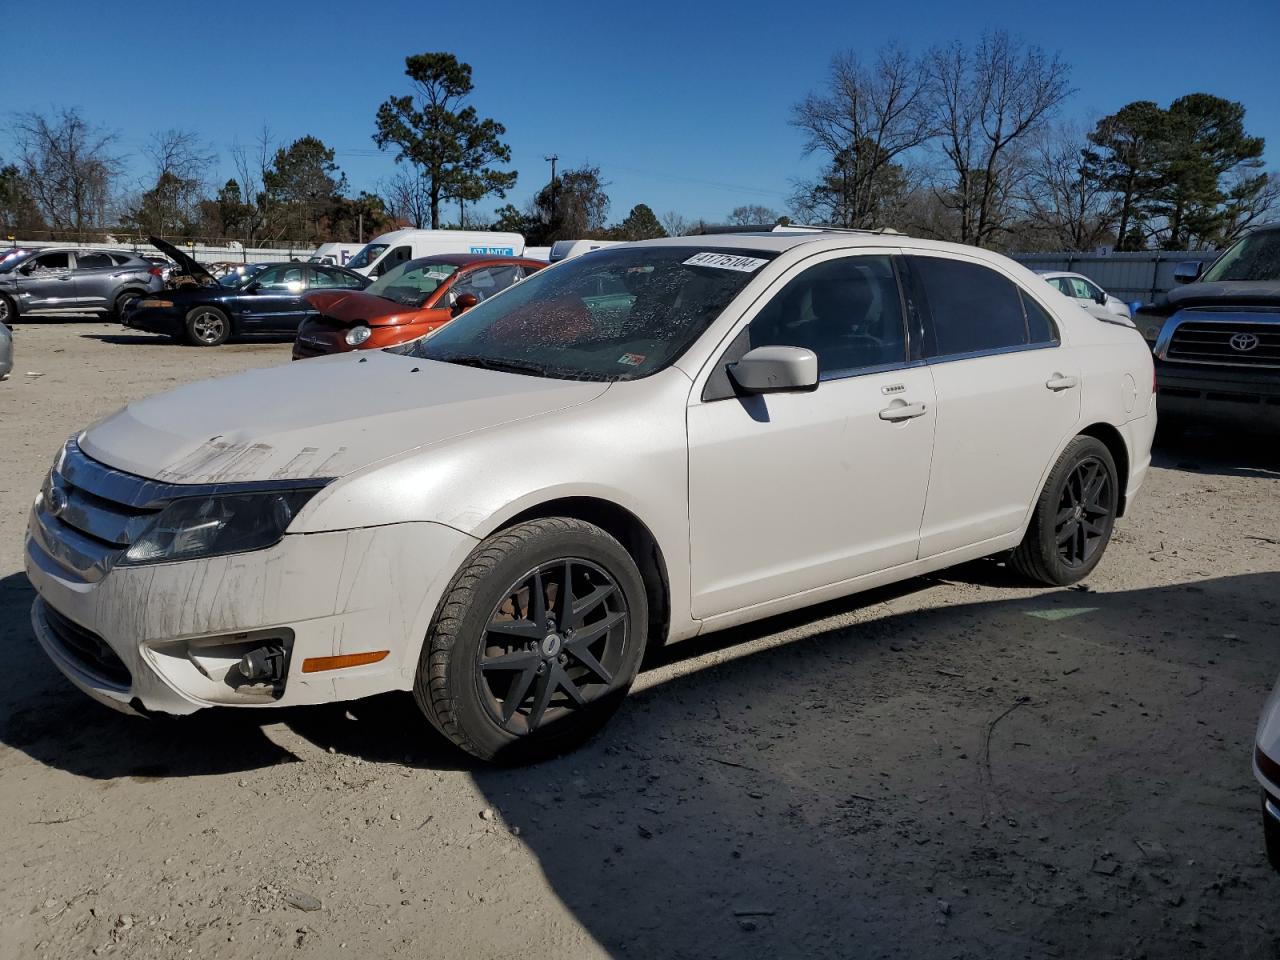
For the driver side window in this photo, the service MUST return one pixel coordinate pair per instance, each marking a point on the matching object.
(847, 311)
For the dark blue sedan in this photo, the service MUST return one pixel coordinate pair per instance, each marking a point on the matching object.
(267, 303)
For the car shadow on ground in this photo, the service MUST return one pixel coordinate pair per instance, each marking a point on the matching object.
(1220, 452)
(1062, 773)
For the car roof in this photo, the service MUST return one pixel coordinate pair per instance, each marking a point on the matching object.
(818, 239)
(469, 259)
(1051, 274)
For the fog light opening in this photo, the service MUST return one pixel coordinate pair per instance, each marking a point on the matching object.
(263, 665)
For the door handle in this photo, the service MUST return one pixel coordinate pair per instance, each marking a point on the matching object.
(1059, 382)
(899, 411)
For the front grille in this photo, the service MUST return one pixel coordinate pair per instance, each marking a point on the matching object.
(88, 514)
(1236, 343)
(88, 650)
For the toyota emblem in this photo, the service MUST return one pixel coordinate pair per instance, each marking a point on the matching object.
(1244, 342)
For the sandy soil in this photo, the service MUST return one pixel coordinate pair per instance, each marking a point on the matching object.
(955, 767)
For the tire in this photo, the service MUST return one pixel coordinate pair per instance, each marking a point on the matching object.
(1271, 835)
(207, 327)
(121, 301)
(8, 310)
(1078, 503)
(491, 657)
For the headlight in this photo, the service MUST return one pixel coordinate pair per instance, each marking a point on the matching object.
(213, 526)
(358, 335)
(152, 304)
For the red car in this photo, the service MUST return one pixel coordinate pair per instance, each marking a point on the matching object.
(406, 302)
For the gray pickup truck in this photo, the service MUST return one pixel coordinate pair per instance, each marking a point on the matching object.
(1216, 338)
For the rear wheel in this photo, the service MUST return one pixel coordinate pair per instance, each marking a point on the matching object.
(1073, 518)
(536, 641)
(123, 301)
(207, 327)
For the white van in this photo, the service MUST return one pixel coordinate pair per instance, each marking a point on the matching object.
(564, 249)
(398, 246)
(338, 254)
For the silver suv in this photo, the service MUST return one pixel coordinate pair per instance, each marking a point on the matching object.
(64, 280)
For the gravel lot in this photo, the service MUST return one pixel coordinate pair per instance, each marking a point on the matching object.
(958, 766)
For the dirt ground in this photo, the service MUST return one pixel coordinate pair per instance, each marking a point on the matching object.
(958, 766)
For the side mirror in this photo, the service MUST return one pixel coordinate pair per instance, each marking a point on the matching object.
(253, 286)
(1188, 271)
(465, 302)
(1100, 299)
(776, 369)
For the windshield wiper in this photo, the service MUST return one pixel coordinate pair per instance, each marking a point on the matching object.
(491, 363)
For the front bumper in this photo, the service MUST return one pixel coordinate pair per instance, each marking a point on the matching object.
(1266, 754)
(323, 595)
(1223, 395)
(167, 320)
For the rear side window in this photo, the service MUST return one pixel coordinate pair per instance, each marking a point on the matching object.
(973, 308)
(1040, 326)
(92, 261)
(333, 279)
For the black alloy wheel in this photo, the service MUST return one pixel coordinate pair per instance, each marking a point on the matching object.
(1083, 521)
(1073, 517)
(553, 644)
(535, 642)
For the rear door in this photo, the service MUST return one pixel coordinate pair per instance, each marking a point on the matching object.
(47, 282)
(95, 279)
(272, 302)
(1008, 394)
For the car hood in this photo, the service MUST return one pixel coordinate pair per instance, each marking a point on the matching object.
(355, 306)
(326, 417)
(189, 266)
(1228, 293)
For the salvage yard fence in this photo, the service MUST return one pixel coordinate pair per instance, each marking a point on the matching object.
(1129, 276)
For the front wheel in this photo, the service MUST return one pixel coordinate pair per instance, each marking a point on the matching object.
(8, 312)
(536, 641)
(1073, 518)
(207, 327)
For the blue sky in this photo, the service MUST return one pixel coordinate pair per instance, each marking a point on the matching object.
(683, 106)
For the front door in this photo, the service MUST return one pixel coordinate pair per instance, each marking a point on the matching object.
(47, 282)
(1008, 395)
(272, 301)
(793, 491)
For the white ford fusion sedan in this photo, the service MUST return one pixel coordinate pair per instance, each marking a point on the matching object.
(1266, 767)
(630, 448)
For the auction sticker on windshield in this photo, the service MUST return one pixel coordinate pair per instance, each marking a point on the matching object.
(726, 261)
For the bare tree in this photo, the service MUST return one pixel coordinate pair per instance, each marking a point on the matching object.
(869, 116)
(675, 224)
(68, 167)
(252, 165)
(407, 197)
(752, 214)
(985, 103)
(172, 204)
(1066, 204)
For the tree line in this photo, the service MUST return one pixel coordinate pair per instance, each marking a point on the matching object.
(960, 142)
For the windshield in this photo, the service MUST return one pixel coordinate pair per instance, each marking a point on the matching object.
(10, 259)
(365, 257)
(241, 275)
(617, 314)
(1254, 257)
(412, 283)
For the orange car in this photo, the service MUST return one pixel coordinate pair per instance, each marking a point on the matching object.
(409, 300)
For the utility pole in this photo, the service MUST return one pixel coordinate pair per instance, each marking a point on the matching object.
(553, 158)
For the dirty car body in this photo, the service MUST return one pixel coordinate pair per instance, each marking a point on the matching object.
(582, 466)
(6, 351)
(1266, 768)
(409, 301)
